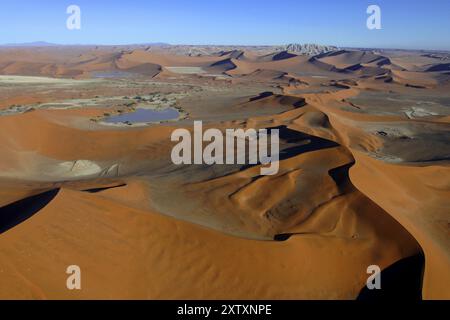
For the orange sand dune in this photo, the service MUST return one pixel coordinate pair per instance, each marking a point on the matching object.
(363, 174)
(344, 59)
(137, 259)
(423, 210)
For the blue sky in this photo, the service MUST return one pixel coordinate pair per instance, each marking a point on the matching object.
(405, 24)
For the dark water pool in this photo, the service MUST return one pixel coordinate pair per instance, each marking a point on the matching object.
(144, 115)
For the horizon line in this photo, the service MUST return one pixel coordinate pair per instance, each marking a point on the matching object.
(161, 43)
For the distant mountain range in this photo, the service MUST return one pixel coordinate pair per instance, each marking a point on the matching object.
(30, 44)
(49, 44)
(309, 49)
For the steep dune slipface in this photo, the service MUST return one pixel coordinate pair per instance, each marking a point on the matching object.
(296, 65)
(241, 204)
(277, 56)
(136, 63)
(344, 59)
(417, 197)
(415, 191)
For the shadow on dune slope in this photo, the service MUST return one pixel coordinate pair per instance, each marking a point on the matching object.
(19, 211)
(311, 143)
(294, 143)
(400, 281)
(100, 189)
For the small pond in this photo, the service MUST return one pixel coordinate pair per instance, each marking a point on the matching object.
(144, 115)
